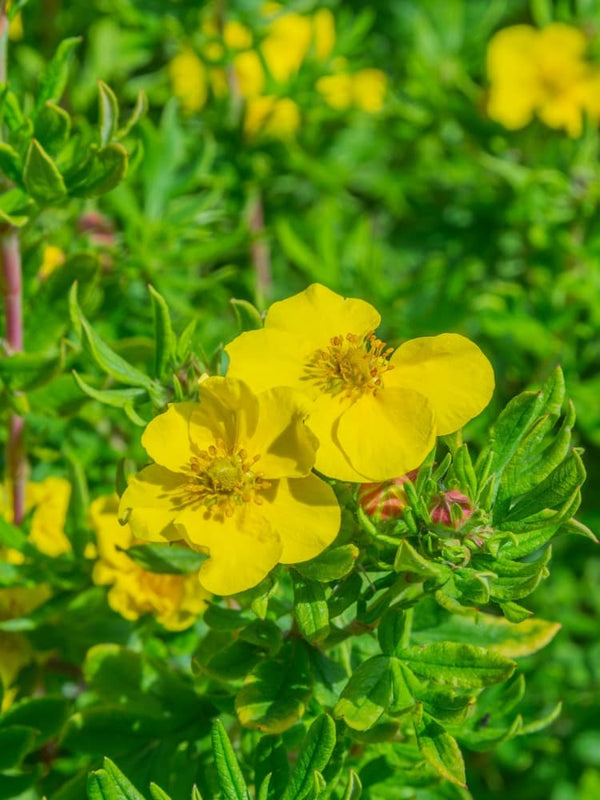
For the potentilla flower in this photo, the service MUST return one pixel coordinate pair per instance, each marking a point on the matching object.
(233, 479)
(541, 73)
(175, 600)
(376, 411)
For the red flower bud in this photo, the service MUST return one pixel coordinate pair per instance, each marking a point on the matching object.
(385, 500)
(440, 512)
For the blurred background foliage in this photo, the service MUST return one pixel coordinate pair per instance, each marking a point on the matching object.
(424, 206)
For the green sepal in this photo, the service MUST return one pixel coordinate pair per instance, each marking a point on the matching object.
(41, 177)
(310, 608)
(316, 750)
(332, 564)
(108, 113)
(163, 334)
(166, 559)
(407, 559)
(231, 780)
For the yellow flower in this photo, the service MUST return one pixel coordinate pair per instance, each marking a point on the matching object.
(50, 500)
(323, 33)
(237, 36)
(249, 74)
(271, 117)
(541, 72)
(189, 81)
(286, 45)
(364, 89)
(52, 258)
(16, 654)
(233, 479)
(375, 411)
(175, 600)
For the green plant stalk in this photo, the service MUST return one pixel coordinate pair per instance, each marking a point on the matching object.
(12, 292)
(408, 620)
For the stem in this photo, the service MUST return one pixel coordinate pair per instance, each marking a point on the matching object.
(408, 620)
(12, 291)
(259, 249)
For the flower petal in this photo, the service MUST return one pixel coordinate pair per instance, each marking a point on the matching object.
(306, 515)
(242, 549)
(286, 446)
(387, 435)
(320, 314)
(451, 371)
(167, 438)
(267, 358)
(151, 502)
(323, 420)
(226, 408)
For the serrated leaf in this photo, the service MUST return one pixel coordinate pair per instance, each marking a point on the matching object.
(314, 755)
(310, 608)
(231, 780)
(166, 559)
(276, 692)
(163, 334)
(10, 162)
(442, 752)
(55, 76)
(41, 177)
(108, 112)
(461, 666)
(332, 565)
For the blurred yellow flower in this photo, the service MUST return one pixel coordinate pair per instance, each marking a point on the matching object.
(52, 258)
(286, 44)
(364, 89)
(375, 411)
(271, 117)
(541, 73)
(175, 600)
(189, 81)
(323, 34)
(249, 74)
(49, 500)
(237, 36)
(233, 479)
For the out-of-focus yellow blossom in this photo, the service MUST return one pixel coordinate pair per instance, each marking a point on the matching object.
(175, 600)
(249, 74)
(287, 44)
(271, 117)
(541, 73)
(237, 36)
(233, 479)
(49, 500)
(15, 653)
(189, 81)
(364, 89)
(52, 258)
(323, 34)
(375, 411)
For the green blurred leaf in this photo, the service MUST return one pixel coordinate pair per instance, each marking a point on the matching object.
(52, 127)
(41, 177)
(139, 110)
(45, 714)
(166, 559)
(163, 334)
(231, 780)
(310, 608)
(107, 168)
(248, 316)
(108, 113)
(55, 76)
(10, 162)
(15, 742)
(353, 788)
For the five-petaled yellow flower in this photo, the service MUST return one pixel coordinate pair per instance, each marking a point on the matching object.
(375, 411)
(233, 480)
(542, 73)
(175, 600)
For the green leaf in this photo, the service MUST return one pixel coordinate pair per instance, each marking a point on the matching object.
(166, 559)
(346, 593)
(157, 793)
(310, 608)
(263, 788)
(12, 786)
(231, 780)
(108, 108)
(375, 687)
(15, 742)
(107, 169)
(139, 110)
(462, 666)
(163, 334)
(271, 765)
(41, 177)
(314, 755)
(124, 788)
(10, 162)
(55, 76)
(248, 316)
(332, 565)
(442, 752)
(28, 371)
(101, 787)
(409, 560)
(116, 398)
(11, 536)
(463, 469)
(52, 127)
(276, 692)
(514, 612)
(391, 630)
(353, 788)
(555, 490)
(45, 714)
(542, 722)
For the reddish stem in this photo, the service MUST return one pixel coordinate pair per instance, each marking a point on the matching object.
(259, 249)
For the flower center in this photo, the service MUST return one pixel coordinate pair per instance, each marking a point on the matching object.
(350, 364)
(223, 479)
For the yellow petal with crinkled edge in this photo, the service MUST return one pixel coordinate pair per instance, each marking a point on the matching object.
(242, 549)
(387, 435)
(323, 419)
(152, 501)
(317, 314)
(167, 437)
(451, 371)
(267, 358)
(286, 446)
(305, 514)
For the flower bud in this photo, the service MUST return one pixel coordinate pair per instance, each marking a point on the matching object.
(386, 500)
(441, 512)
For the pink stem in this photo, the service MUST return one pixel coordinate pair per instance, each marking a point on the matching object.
(13, 310)
(259, 249)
